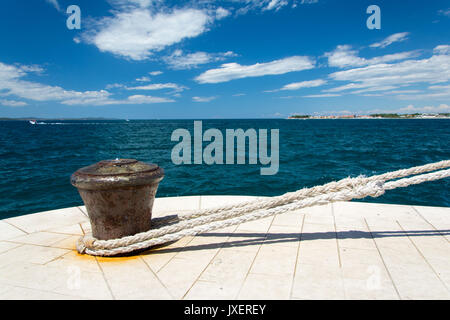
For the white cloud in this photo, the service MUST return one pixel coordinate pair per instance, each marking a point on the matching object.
(144, 79)
(55, 4)
(178, 60)
(142, 3)
(231, 71)
(267, 5)
(384, 93)
(396, 37)
(114, 85)
(275, 4)
(135, 99)
(442, 49)
(436, 95)
(155, 73)
(125, 4)
(438, 87)
(12, 83)
(442, 108)
(289, 97)
(302, 84)
(347, 87)
(222, 13)
(344, 56)
(136, 29)
(445, 12)
(11, 80)
(140, 99)
(325, 95)
(203, 99)
(138, 33)
(403, 91)
(12, 103)
(31, 68)
(159, 86)
(372, 89)
(434, 71)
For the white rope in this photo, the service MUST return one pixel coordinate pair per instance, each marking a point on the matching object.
(171, 228)
(253, 205)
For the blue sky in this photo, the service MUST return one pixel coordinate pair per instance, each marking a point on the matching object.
(156, 59)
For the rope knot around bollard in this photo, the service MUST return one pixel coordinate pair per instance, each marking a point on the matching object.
(85, 242)
(172, 228)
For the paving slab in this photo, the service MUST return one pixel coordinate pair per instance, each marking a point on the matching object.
(344, 250)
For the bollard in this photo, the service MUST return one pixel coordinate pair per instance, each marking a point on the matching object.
(118, 195)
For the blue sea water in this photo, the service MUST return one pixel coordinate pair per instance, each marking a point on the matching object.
(36, 161)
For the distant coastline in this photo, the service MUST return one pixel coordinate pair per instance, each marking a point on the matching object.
(292, 117)
(377, 116)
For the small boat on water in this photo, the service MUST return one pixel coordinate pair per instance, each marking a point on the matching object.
(33, 121)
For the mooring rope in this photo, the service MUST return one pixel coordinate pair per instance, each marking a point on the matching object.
(172, 228)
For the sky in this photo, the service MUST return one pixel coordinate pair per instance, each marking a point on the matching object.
(202, 59)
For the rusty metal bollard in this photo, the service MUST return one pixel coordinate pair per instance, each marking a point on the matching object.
(118, 195)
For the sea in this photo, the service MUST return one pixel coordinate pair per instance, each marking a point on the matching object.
(36, 161)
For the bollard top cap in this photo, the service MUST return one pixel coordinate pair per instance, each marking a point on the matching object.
(117, 167)
(108, 174)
